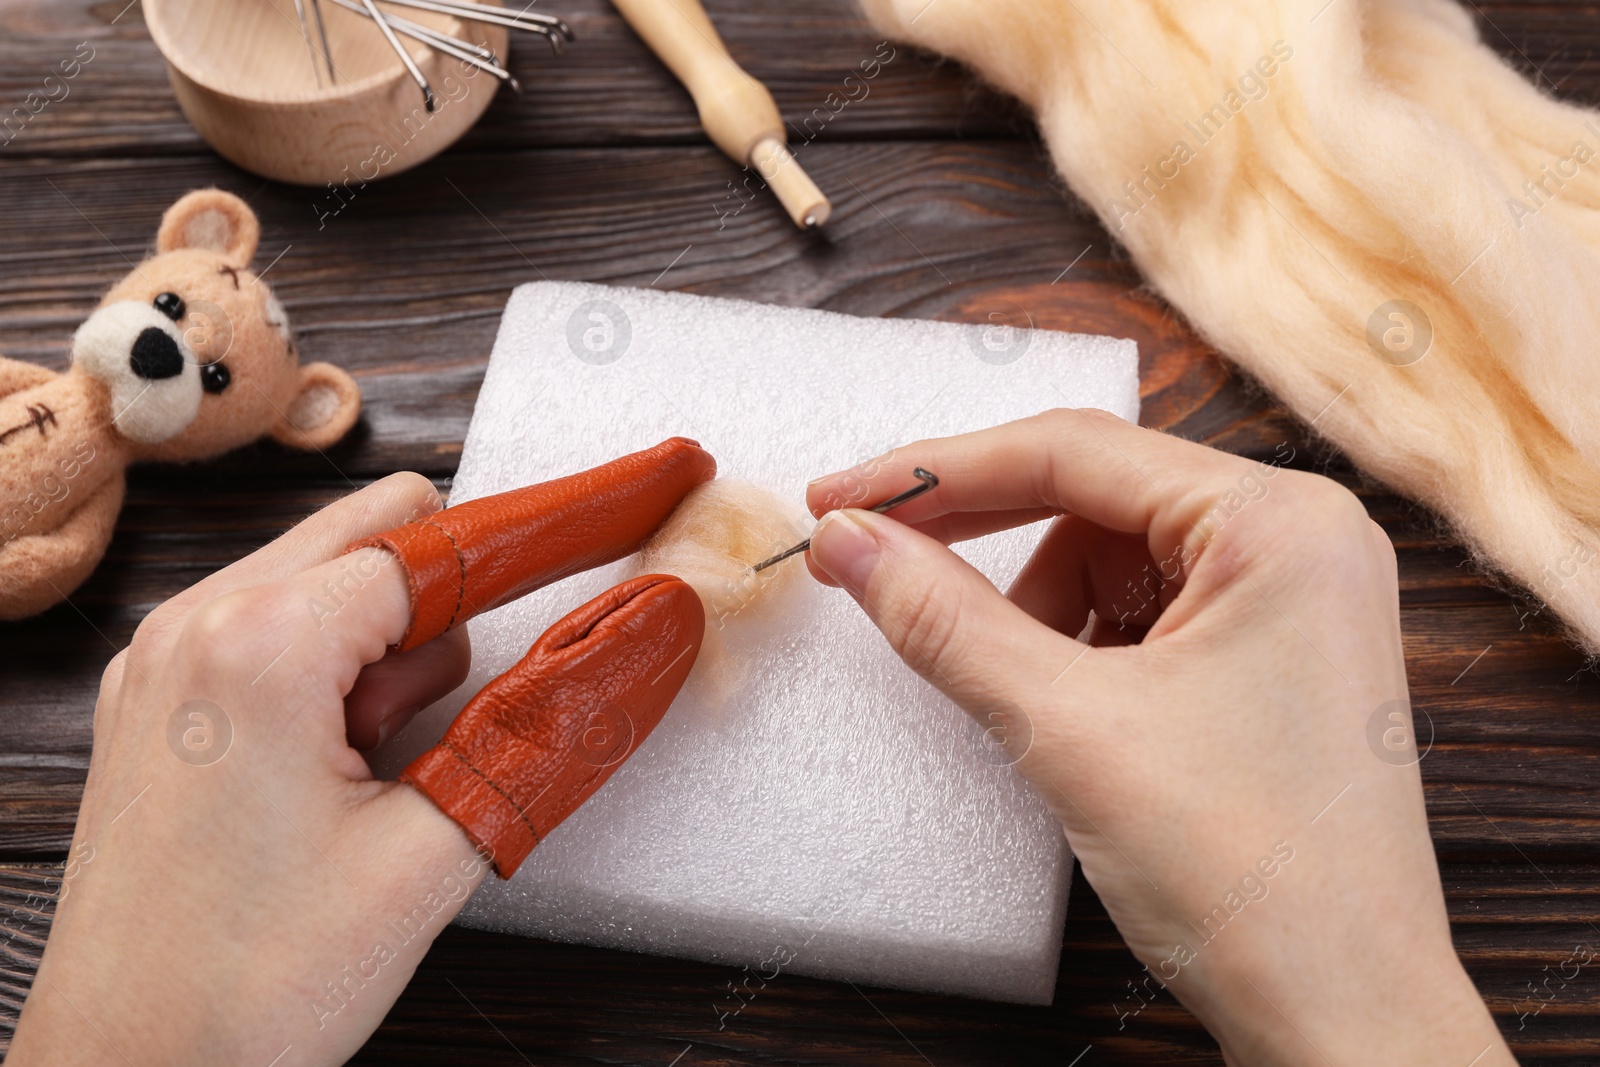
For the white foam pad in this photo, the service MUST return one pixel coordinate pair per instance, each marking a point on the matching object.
(838, 817)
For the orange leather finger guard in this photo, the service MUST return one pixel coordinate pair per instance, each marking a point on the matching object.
(484, 553)
(538, 740)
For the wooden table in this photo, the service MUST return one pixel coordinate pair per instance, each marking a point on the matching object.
(945, 208)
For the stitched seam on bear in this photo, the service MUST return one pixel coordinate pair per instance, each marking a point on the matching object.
(461, 562)
(448, 747)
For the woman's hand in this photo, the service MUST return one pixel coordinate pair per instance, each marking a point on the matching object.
(240, 890)
(1228, 751)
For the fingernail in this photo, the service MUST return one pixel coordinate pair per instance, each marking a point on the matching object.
(843, 546)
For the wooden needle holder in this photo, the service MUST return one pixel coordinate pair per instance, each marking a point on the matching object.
(737, 111)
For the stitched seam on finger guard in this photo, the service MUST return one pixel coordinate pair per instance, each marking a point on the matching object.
(448, 747)
(461, 562)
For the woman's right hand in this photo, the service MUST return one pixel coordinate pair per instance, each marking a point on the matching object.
(1228, 752)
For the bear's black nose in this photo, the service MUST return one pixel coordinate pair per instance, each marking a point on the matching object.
(155, 355)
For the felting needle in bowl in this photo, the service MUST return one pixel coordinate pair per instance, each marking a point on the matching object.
(238, 71)
(405, 57)
(305, 31)
(548, 26)
(465, 51)
(322, 32)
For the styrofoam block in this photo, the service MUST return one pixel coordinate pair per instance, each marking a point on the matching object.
(836, 817)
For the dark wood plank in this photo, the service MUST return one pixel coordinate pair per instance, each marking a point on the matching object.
(361, 293)
(570, 1005)
(608, 90)
(412, 310)
(405, 285)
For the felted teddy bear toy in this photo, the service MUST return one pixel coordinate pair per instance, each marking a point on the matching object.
(187, 357)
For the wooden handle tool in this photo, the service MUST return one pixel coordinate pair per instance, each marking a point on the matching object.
(736, 110)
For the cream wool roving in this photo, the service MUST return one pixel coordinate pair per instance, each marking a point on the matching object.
(1366, 209)
(720, 531)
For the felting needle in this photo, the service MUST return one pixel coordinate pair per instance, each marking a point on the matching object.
(474, 55)
(553, 29)
(305, 32)
(405, 57)
(471, 8)
(929, 481)
(465, 51)
(322, 32)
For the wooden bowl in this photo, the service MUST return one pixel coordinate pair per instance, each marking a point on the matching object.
(245, 79)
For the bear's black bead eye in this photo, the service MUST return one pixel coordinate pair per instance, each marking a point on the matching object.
(214, 377)
(170, 305)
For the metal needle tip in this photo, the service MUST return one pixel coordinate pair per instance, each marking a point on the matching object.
(467, 52)
(400, 50)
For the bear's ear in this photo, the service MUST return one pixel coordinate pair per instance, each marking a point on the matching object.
(327, 405)
(213, 220)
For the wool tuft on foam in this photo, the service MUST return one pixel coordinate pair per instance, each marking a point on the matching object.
(717, 535)
(713, 540)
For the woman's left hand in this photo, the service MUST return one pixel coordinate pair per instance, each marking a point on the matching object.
(240, 889)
